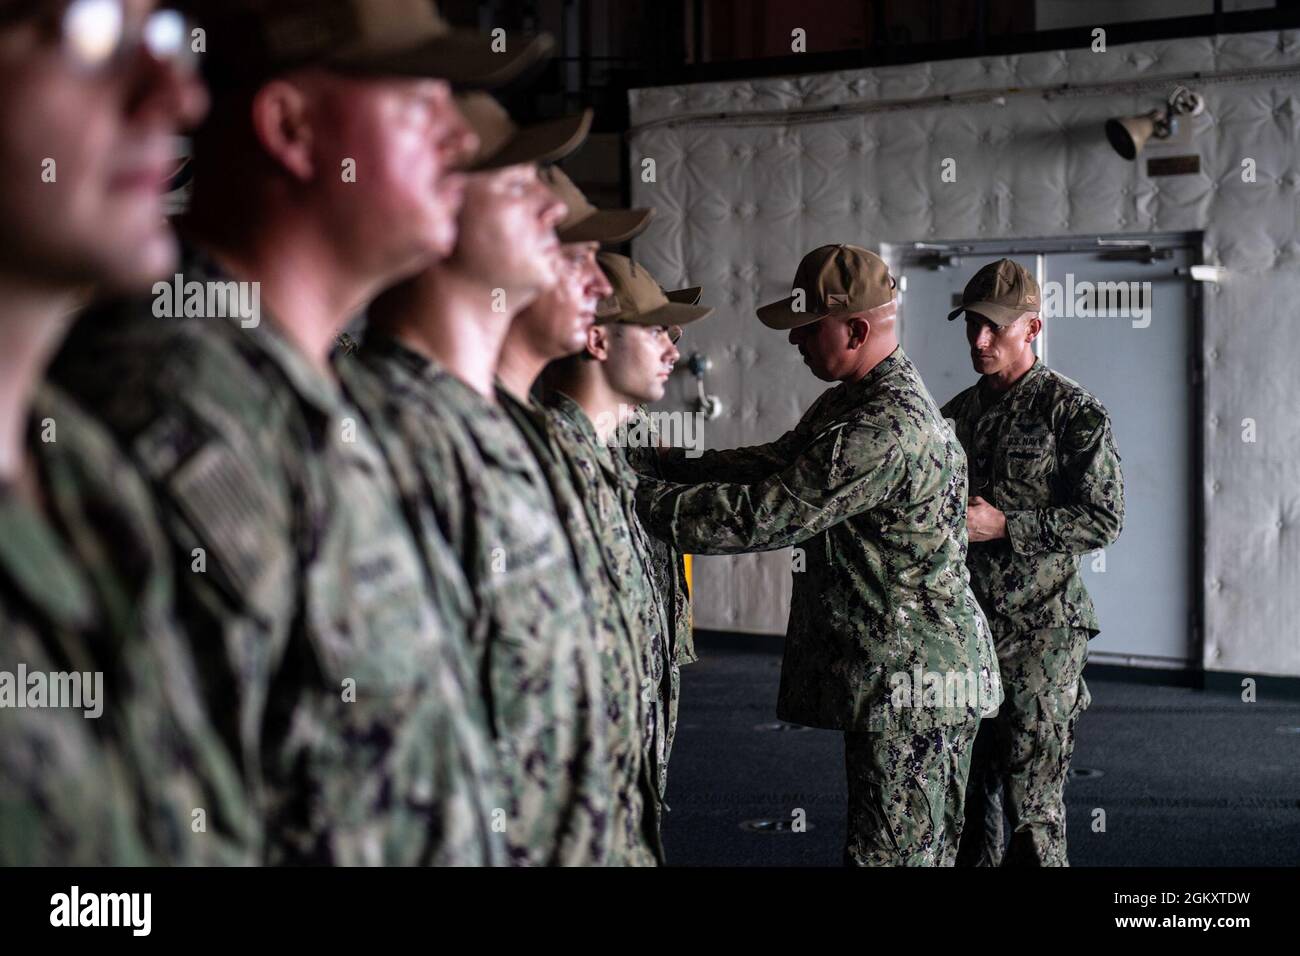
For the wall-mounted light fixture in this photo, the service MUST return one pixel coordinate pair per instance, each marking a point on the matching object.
(1128, 135)
(700, 365)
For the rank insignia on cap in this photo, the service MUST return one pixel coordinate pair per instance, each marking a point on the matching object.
(607, 306)
(837, 299)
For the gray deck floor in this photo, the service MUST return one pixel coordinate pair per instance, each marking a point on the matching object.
(1188, 777)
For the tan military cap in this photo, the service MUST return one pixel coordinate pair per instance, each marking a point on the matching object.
(690, 296)
(1001, 292)
(250, 41)
(586, 223)
(837, 278)
(639, 300)
(503, 143)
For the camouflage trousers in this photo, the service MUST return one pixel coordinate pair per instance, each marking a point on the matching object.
(906, 794)
(635, 832)
(1022, 756)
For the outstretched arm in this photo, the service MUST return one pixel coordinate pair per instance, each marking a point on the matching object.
(847, 469)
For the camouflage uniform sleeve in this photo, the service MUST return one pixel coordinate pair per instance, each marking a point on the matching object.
(209, 436)
(237, 518)
(158, 754)
(183, 762)
(953, 407)
(849, 468)
(233, 534)
(1093, 489)
(740, 465)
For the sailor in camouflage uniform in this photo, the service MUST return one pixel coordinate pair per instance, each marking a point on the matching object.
(614, 628)
(551, 328)
(532, 644)
(1046, 487)
(871, 487)
(667, 566)
(642, 381)
(629, 353)
(128, 768)
(669, 585)
(330, 632)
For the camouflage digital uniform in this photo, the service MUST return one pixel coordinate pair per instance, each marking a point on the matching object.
(532, 644)
(86, 586)
(669, 589)
(1043, 453)
(871, 486)
(604, 484)
(580, 515)
(331, 645)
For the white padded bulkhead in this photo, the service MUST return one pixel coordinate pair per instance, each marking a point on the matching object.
(741, 199)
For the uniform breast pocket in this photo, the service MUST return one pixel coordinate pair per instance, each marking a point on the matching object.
(535, 608)
(616, 548)
(527, 598)
(375, 622)
(373, 581)
(1029, 456)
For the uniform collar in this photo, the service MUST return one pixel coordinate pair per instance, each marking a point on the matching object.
(570, 409)
(849, 394)
(381, 345)
(526, 405)
(311, 384)
(576, 414)
(420, 367)
(1022, 392)
(35, 557)
(890, 363)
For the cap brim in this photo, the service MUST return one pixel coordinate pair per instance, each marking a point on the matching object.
(689, 296)
(673, 313)
(997, 314)
(782, 316)
(545, 142)
(461, 57)
(609, 226)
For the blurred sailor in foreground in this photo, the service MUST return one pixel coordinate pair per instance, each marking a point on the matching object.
(331, 632)
(107, 754)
